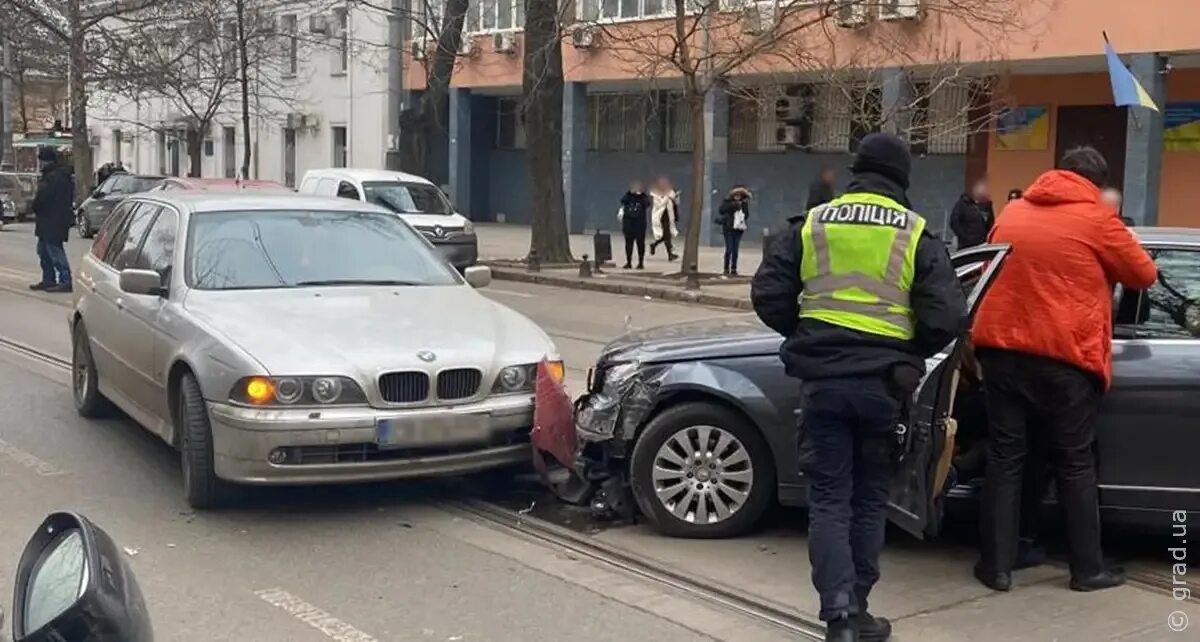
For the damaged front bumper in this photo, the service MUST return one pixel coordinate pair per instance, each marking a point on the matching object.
(603, 423)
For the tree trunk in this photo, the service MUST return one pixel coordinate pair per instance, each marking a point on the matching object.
(81, 150)
(543, 85)
(195, 143)
(244, 80)
(691, 245)
(22, 108)
(432, 113)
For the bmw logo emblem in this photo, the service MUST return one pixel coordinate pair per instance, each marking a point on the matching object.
(426, 356)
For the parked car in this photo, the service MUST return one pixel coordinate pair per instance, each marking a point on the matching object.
(665, 402)
(220, 185)
(20, 188)
(284, 339)
(94, 210)
(417, 200)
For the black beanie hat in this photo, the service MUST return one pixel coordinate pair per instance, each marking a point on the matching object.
(883, 154)
(46, 154)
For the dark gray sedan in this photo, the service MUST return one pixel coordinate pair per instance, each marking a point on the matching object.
(94, 210)
(696, 422)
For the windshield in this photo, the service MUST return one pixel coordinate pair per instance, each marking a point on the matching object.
(129, 184)
(407, 198)
(296, 248)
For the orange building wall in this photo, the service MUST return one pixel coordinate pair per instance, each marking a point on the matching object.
(1181, 170)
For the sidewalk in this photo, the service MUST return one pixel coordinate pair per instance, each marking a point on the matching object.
(504, 247)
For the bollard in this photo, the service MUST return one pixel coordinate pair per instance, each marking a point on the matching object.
(602, 248)
(585, 268)
(533, 265)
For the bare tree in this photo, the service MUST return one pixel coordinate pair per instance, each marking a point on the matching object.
(703, 46)
(543, 87)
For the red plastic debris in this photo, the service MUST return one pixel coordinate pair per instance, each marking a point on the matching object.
(553, 421)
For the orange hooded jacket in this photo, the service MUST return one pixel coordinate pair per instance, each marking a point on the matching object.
(1054, 296)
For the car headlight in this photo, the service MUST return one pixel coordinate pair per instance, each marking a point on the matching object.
(468, 227)
(297, 391)
(522, 379)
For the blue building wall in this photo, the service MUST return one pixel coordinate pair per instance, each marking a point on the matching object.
(779, 182)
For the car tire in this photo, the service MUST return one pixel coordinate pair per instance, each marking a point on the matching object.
(201, 486)
(739, 479)
(81, 225)
(85, 389)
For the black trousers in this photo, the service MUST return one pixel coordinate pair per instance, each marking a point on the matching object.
(1039, 405)
(849, 426)
(665, 222)
(635, 238)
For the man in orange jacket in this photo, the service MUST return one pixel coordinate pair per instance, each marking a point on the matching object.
(1044, 339)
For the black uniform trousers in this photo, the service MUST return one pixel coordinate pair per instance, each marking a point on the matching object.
(1032, 399)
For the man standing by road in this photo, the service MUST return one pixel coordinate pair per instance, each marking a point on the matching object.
(52, 206)
(1044, 339)
(972, 217)
(879, 296)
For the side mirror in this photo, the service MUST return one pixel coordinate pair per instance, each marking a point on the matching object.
(146, 282)
(99, 193)
(71, 581)
(479, 276)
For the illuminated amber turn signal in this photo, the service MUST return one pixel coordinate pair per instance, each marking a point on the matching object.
(260, 390)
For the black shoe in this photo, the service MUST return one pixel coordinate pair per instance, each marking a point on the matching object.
(641, 267)
(653, 248)
(672, 256)
(1103, 580)
(872, 629)
(627, 266)
(38, 287)
(841, 630)
(1029, 555)
(733, 273)
(994, 580)
(61, 287)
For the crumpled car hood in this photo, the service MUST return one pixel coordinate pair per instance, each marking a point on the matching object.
(729, 336)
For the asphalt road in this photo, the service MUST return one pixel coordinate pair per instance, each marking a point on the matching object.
(399, 562)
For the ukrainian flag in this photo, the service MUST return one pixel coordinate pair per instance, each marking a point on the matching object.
(1127, 91)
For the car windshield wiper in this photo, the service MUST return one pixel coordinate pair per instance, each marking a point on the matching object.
(357, 282)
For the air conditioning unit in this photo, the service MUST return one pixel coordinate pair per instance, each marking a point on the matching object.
(310, 121)
(504, 42)
(787, 135)
(466, 47)
(758, 18)
(852, 14)
(790, 108)
(419, 49)
(583, 36)
(318, 24)
(893, 10)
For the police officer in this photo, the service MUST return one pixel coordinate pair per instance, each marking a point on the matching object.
(863, 294)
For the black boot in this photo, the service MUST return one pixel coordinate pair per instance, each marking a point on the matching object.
(37, 287)
(872, 629)
(841, 630)
(1108, 578)
(994, 580)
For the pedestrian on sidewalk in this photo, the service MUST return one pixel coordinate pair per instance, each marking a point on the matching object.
(820, 191)
(1046, 379)
(635, 209)
(972, 217)
(52, 207)
(665, 216)
(733, 216)
(863, 294)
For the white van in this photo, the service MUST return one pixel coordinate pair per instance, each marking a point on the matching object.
(418, 201)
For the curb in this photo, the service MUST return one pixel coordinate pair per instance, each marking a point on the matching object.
(629, 289)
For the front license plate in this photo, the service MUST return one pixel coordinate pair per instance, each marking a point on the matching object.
(431, 430)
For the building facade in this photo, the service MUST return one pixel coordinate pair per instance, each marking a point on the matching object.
(1000, 95)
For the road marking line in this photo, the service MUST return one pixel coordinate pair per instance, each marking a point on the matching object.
(18, 274)
(523, 295)
(30, 461)
(332, 627)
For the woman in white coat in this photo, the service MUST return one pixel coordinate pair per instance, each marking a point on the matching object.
(664, 216)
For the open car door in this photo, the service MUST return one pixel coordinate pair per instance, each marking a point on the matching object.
(917, 490)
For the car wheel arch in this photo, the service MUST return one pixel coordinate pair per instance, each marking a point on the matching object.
(695, 394)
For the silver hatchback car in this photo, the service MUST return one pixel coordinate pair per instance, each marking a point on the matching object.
(283, 339)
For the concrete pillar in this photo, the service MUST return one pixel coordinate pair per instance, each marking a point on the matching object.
(716, 162)
(574, 153)
(1144, 143)
(896, 96)
(460, 150)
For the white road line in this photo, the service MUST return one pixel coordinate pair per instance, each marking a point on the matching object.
(332, 627)
(30, 461)
(18, 274)
(523, 295)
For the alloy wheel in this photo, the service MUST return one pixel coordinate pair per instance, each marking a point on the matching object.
(703, 474)
(80, 376)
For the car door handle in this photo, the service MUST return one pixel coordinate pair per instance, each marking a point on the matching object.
(120, 303)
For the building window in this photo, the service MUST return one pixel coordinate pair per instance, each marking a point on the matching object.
(769, 119)
(831, 119)
(339, 146)
(341, 21)
(949, 122)
(492, 15)
(229, 149)
(291, 44)
(510, 127)
(617, 122)
(866, 117)
(231, 48)
(678, 125)
(594, 10)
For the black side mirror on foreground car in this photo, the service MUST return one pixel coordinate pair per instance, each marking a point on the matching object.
(73, 584)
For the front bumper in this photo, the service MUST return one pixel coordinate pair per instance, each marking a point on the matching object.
(338, 445)
(461, 252)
